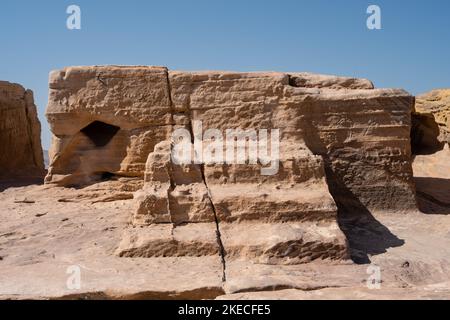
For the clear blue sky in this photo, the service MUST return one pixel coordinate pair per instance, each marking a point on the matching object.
(412, 51)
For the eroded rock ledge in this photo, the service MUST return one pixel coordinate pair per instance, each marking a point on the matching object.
(343, 144)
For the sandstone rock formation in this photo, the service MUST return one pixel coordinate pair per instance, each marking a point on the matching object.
(360, 134)
(431, 121)
(342, 143)
(20, 130)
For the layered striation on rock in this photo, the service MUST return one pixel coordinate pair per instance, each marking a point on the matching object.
(20, 133)
(362, 134)
(341, 144)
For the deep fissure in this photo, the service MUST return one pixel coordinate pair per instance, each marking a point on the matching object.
(222, 251)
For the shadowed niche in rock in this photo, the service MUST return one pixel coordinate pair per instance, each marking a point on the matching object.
(100, 133)
(433, 195)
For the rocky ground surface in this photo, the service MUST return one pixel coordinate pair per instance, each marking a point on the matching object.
(47, 230)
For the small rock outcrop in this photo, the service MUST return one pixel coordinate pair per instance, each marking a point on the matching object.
(20, 133)
(431, 122)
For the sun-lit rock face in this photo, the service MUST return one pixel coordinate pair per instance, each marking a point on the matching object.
(106, 120)
(20, 132)
(342, 143)
(361, 134)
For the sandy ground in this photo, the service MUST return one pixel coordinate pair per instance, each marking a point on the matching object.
(48, 232)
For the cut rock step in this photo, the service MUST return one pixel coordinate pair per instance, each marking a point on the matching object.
(283, 243)
(163, 240)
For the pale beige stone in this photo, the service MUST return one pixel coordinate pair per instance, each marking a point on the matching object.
(164, 240)
(283, 243)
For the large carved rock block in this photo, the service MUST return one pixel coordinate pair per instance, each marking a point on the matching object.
(333, 142)
(20, 132)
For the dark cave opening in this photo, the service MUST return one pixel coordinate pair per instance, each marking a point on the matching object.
(425, 135)
(106, 176)
(100, 133)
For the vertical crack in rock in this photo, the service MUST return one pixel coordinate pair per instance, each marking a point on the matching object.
(169, 191)
(222, 251)
(169, 93)
(216, 218)
(170, 167)
(99, 78)
(218, 234)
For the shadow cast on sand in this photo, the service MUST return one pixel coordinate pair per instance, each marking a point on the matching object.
(365, 234)
(433, 195)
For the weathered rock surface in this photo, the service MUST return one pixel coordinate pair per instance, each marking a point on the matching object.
(435, 106)
(20, 133)
(360, 134)
(358, 131)
(432, 177)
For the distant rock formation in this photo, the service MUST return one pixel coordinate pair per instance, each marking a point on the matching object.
(20, 133)
(431, 122)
